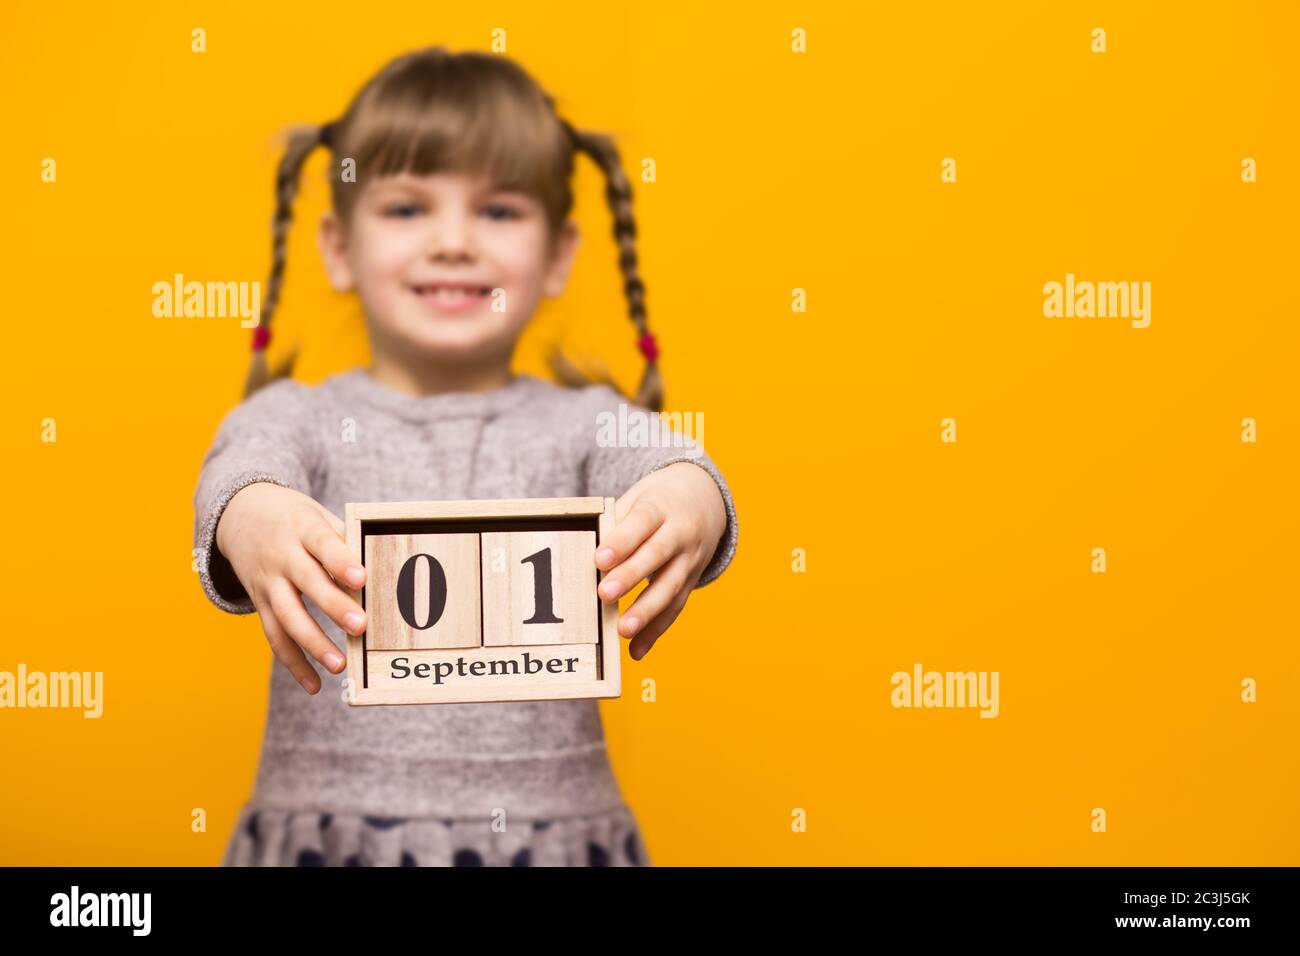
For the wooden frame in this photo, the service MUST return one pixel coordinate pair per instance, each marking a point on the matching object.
(364, 686)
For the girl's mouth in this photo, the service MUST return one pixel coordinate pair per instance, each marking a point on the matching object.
(452, 297)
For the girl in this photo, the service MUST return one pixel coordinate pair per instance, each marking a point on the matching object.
(450, 201)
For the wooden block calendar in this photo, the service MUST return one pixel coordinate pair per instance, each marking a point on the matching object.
(478, 601)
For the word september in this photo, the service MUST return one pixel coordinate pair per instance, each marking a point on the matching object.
(444, 669)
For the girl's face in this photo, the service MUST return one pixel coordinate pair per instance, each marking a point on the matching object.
(448, 269)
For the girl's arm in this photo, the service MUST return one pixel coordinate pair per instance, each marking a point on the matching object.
(264, 543)
(268, 437)
(675, 516)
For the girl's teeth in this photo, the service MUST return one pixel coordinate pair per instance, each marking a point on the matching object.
(444, 293)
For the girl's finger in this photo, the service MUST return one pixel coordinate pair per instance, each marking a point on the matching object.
(645, 640)
(335, 522)
(628, 534)
(310, 578)
(645, 561)
(289, 653)
(664, 587)
(334, 555)
(301, 626)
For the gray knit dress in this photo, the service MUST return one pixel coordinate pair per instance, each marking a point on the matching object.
(437, 784)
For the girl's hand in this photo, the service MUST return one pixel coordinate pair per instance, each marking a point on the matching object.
(668, 527)
(283, 544)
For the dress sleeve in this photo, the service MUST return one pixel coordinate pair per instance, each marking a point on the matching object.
(267, 437)
(626, 443)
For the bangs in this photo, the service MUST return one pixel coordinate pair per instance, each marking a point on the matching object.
(445, 120)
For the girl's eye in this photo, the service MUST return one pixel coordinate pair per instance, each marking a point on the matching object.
(405, 210)
(510, 212)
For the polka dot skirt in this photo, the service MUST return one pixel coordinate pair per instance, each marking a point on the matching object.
(265, 837)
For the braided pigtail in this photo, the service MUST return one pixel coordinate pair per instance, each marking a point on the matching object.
(618, 193)
(287, 177)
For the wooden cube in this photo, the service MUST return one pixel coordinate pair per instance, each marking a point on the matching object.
(538, 587)
(435, 598)
(481, 601)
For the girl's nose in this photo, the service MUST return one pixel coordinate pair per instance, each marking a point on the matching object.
(451, 235)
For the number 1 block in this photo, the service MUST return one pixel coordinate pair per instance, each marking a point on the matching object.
(539, 587)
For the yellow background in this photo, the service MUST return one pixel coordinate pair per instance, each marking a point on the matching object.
(775, 171)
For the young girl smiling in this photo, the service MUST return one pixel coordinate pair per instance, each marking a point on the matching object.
(450, 202)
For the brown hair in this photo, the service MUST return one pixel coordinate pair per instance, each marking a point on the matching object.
(433, 110)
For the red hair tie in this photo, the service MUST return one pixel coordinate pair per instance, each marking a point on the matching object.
(261, 337)
(649, 348)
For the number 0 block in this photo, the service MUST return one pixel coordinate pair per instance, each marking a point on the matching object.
(436, 601)
(539, 587)
(482, 601)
